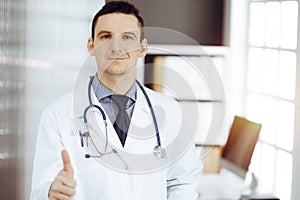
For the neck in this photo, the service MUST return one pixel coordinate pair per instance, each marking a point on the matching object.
(119, 84)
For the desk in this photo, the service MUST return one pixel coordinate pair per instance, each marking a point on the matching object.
(227, 185)
(216, 182)
(223, 185)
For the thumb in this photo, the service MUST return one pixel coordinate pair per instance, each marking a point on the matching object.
(67, 162)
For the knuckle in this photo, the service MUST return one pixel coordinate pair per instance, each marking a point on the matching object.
(67, 190)
(54, 187)
(71, 192)
(54, 196)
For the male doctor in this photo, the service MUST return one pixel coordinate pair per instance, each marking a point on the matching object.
(61, 171)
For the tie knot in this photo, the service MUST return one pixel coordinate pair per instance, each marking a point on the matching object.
(120, 101)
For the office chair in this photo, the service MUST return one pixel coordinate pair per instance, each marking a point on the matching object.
(238, 150)
(236, 154)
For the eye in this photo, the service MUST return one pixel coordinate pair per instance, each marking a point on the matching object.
(127, 37)
(106, 36)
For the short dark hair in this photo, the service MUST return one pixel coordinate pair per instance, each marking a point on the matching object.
(118, 7)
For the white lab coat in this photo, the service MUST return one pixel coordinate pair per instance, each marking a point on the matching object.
(98, 181)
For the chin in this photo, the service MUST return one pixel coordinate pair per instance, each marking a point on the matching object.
(116, 70)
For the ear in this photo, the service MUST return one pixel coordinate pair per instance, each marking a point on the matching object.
(90, 46)
(143, 50)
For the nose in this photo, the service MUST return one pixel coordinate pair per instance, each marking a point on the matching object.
(116, 45)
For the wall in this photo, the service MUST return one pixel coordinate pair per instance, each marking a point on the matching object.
(56, 38)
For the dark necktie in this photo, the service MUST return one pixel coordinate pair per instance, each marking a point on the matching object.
(122, 122)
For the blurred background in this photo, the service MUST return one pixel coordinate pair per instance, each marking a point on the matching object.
(251, 43)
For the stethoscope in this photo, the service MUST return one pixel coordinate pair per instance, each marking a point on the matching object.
(158, 151)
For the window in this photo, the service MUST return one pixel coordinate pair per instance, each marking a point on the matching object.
(270, 93)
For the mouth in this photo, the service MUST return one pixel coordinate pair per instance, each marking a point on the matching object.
(117, 58)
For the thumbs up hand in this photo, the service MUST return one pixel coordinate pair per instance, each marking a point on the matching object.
(63, 187)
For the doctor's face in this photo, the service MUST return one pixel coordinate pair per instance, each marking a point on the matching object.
(117, 43)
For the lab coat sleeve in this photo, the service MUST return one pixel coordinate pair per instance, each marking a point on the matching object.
(182, 182)
(47, 160)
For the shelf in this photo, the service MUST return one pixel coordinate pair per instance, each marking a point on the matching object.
(187, 50)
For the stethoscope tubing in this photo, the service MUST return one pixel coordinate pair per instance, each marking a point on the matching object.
(152, 113)
(91, 105)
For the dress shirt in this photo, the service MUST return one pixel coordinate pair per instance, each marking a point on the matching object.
(103, 95)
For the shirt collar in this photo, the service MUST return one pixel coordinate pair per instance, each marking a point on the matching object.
(102, 91)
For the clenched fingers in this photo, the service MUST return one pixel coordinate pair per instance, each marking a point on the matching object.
(62, 188)
(70, 182)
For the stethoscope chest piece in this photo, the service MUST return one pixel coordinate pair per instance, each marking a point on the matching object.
(159, 152)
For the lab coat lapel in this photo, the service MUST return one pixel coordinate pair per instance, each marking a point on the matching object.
(140, 121)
